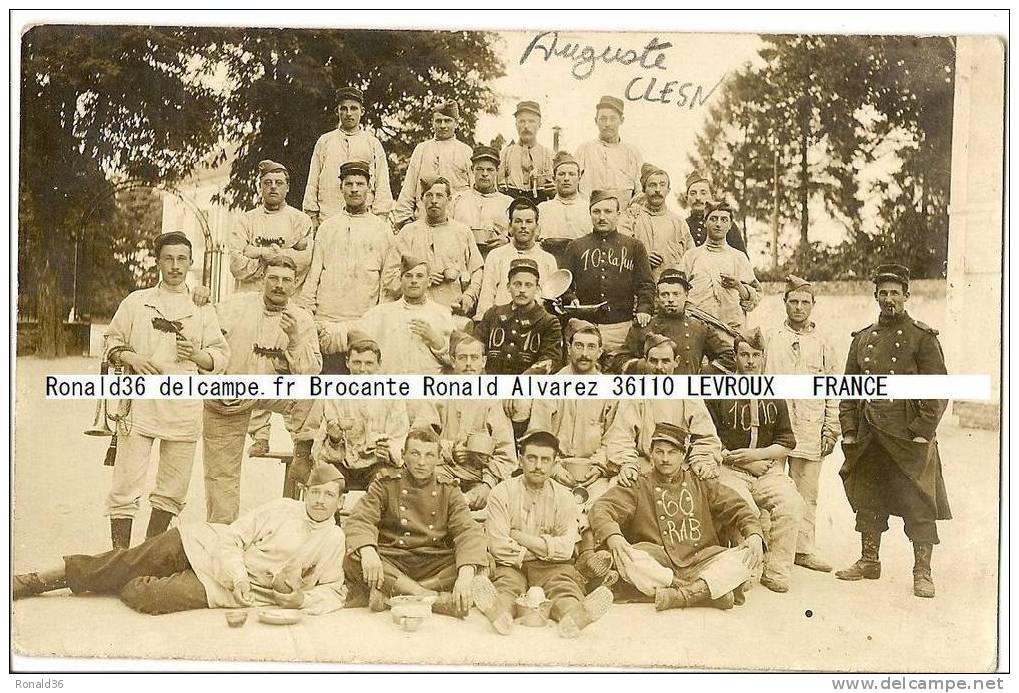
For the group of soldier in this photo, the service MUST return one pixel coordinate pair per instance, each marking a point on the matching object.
(681, 502)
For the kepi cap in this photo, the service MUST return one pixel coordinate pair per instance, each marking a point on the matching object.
(671, 433)
(892, 271)
(350, 93)
(523, 264)
(528, 107)
(354, 168)
(616, 104)
(674, 275)
(482, 153)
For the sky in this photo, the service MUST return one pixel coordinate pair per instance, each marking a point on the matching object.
(665, 133)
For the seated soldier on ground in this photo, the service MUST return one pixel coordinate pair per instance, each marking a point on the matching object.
(663, 532)
(285, 553)
(532, 530)
(413, 534)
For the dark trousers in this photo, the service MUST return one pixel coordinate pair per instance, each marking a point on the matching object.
(153, 577)
(560, 581)
(884, 490)
(431, 571)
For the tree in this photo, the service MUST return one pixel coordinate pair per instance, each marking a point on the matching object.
(97, 102)
(284, 81)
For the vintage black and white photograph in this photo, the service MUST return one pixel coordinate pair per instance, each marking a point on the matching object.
(318, 198)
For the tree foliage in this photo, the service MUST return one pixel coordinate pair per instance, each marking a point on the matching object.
(821, 109)
(106, 104)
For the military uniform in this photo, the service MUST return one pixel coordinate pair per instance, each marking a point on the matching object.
(885, 472)
(517, 338)
(421, 530)
(694, 340)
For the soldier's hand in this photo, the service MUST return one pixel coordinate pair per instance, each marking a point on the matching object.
(563, 476)
(139, 364)
(436, 278)
(849, 439)
(427, 333)
(827, 445)
(382, 450)
(643, 319)
(200, 295)
(628, 475)
(477, 496)
(467, 305)
(462, 589)
(460, 454)
(618, 545)
(242, 593)
(704, 469)
(591, 477)
(727, 281)
(288, 323)
(301, 244)
(655, 259)
(293, 600)
(755, 551)
(371, 567)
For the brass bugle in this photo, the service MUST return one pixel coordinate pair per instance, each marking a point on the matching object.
(100, 426)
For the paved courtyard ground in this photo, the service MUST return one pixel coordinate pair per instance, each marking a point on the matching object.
(59, 485)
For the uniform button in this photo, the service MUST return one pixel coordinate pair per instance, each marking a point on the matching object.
(435, 538)
(403, 509)
(431, 526)
(403, 520)
(867, 372)
(658, 488)
(434, 493)
(898, 332)
(683, 484)
(894, 359)
(687, 346)
(404, 492)
(891, 372)
(871, 346)
(433, 513)
(874, 333)
(687, 334)
(406, 534)
(399, 541)
(867, 359)
(896, 344)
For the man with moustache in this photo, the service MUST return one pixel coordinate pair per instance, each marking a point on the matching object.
(526, 168)
(722, 281)
(756, 437)
(521, 333)
(608, 163)
(267, 335)
(798, 347)
(455, 420)
(523, 219)
(443, 156)
(482, 208)
(610, 270)
(694, 340)
(664, 234)
(160, 331)
(565, 216)
(698, 198)
(362, 437)
(412, 533)
(892, 462)
(532, 528)
(285, 553)
(412, 332)
(355, 265)
(266, 233)
(449, 248)
(664, 532)
(349, 142)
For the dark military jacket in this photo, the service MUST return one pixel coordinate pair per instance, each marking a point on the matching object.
(400, 516)
(517, 338)
(693, 339)
(685, 515)
(897, 346)
(614, 269)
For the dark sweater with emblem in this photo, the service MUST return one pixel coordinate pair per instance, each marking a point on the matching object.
(732, 421)
(693, 339)
(400, 516)
(685, 515)
(517, 338)
(612, 268)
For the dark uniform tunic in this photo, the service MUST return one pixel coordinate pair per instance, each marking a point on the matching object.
(684, 515)
(693, 341)
(612, 268)
(885, 472)
(420, 529)
(517, 338)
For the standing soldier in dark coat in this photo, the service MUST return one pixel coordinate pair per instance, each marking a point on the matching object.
(892, 464)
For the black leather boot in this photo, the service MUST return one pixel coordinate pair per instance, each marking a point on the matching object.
(923, 584)
(120, 532)
(159, 520)
(868, 567)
